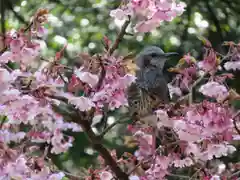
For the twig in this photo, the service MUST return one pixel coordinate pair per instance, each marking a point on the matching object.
(62, 78)
(190, 99)
(83, 120)
(195, 173)
(102, 74)
(194, 85)
(7, 67)
(234, 174)
(105, 131)
(60, 98)
(28, 27)
(178, 176)
(132, 170)
(56, 63)
(120, 36)
(96, 144)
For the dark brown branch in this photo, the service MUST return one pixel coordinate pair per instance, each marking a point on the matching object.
(28, 27)
(3, 27)
(96, 144)
(120, 36)
(83, 120)
(119, 121)
(181, 99)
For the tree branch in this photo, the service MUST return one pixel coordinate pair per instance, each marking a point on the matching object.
(96, 144)
(120, 36)
(3, 21)
(83, 119)
(105, 131)
(189, 95)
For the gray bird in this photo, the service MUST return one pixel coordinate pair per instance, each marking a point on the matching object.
(150, 89)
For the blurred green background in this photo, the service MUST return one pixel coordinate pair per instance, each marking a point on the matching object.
(83, 23)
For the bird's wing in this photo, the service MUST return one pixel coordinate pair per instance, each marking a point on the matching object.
(138, 100)
(160, 89)
(154, 83)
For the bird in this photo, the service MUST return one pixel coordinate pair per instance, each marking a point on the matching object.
(150, 89)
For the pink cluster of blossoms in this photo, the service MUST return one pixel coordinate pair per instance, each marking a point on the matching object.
(201, 131)
(197, 131)
(149, 13)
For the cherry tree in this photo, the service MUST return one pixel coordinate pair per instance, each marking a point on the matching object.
(38, 106)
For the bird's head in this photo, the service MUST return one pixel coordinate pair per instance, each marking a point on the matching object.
(153, 56)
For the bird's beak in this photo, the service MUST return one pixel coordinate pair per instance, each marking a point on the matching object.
(160, 61)
(170, 54)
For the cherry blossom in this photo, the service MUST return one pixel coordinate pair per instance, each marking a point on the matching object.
(214, 89)
(185, 133)
(149, 13)
(210, 62)
(4, 79)
(21, 51)
(82, 103)
(174, 90)
(105, 175)
(232, 65)
(87, 77)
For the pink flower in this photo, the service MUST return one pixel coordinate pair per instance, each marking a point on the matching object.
(16, 45)
(214, 89)
(158, 170)
(210, 62)
(215, 177)
(174, 90)
(56, 176)
(17, 169)
(59, 144)
(4, 79)
(46, 174)
(163, 119)
(87, 77)
(105, 175)
(146, 26)
(126, 80)
(145, 145)
(42, 31)
(7, 137)
(217, 150)
(82, 103)
(232, 65)
(178, 8)
(22, 50)
(134, 177)
(149, 13)
(181, 163)
(118, 14)
(5, 57)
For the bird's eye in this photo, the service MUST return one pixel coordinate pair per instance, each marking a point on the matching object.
(154, 55)
(146, 60)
